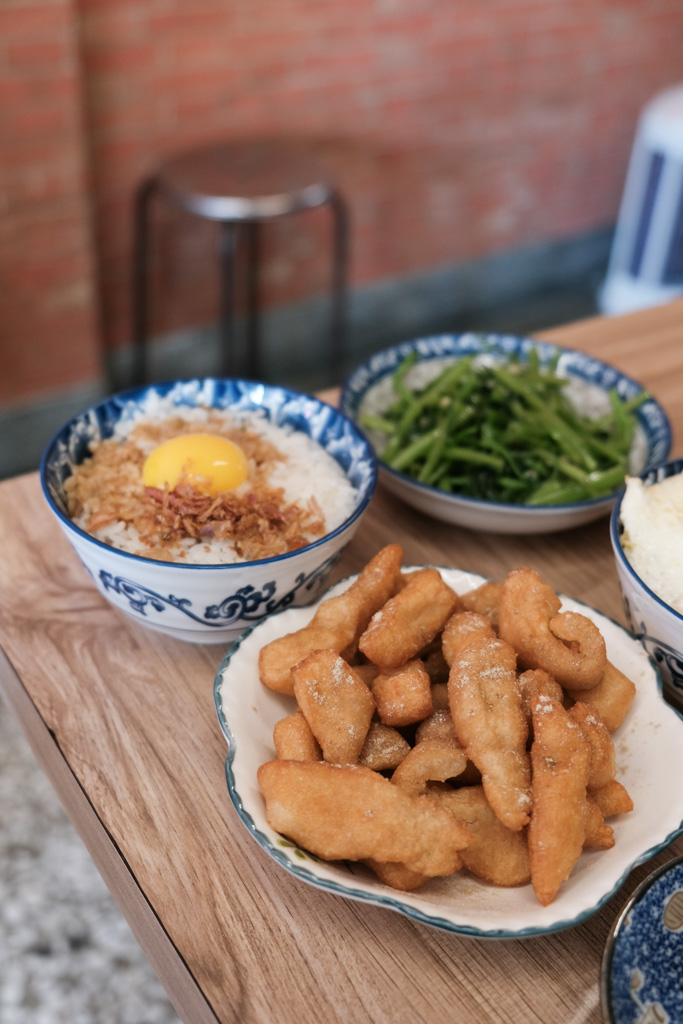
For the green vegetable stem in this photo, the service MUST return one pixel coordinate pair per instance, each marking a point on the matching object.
(505, 432)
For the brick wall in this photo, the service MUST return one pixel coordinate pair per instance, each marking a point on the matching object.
(48, 303)
(479, 126)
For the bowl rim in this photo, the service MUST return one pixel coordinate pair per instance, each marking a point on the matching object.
(616, 928)
(129, 394)
(540, 511)
(493, 337)
(615, 536)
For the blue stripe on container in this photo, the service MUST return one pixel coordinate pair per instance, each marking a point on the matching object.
(653, 178)
(673, 268)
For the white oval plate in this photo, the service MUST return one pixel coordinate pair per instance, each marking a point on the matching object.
(649, 750)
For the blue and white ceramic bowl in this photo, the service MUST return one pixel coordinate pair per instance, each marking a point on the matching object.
(211, 603)
(657, 625)
(642, 965)
(369, 390)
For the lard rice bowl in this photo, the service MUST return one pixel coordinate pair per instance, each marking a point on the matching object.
(200, 485)
(198, 507)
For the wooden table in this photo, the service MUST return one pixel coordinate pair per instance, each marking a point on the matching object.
(122, 720)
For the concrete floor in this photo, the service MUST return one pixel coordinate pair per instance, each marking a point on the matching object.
(67, 955)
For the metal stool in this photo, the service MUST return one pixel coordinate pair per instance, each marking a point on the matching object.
(240, 185)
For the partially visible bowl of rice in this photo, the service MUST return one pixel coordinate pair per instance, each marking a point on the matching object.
(203, 566)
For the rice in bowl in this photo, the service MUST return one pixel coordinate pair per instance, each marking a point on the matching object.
(209, 601)
(294, 493)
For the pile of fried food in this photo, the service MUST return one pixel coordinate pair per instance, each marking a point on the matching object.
(437, 731)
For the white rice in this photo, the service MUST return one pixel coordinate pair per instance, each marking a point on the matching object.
(652, 518)
(307, 473)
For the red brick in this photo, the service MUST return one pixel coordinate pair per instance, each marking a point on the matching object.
(38, 57)
(525, 110)
(33, 21)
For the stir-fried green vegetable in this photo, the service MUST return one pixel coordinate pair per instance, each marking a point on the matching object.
(505, 432)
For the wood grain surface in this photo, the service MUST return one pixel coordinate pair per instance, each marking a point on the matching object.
(122, 719)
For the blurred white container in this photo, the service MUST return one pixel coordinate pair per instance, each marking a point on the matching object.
(657, 625)
(646, 261)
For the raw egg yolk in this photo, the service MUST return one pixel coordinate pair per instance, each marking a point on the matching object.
(208, 463)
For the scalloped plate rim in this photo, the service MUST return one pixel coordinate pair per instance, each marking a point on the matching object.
(395, 902)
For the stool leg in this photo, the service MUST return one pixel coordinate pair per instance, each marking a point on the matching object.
(340, 216)
(253, 246)
(141, 231)
(227, 246)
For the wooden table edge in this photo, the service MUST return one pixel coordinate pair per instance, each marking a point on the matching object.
(165, 959)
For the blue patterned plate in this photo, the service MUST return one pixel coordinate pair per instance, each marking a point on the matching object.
(642, 968)
(369, 390)
(649, 752)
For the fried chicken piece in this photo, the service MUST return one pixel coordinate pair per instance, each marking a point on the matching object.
(377, 582)
(532, 684)
(367, 671)
(460, 629)
(336, 703)
(498, 855)
(439, 728)
(440, 697)
(398, 876)
(613, 799)
(560, 767)
(293, 739)
(606, 802)
(277, 658)
(337, 623)
(586, 643)
(611, 698)
(427, 762)
(535, 682)
(409, 620)
(596, 833)
(567, 645)
(403, 695)
(435, 665)
(486, 706)
(384, 748)
(603, 765)
(346, 812)
(485, 600)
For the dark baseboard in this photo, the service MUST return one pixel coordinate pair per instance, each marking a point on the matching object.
(516, 292)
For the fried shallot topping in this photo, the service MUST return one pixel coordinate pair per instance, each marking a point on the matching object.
(259, 524)
(257, 519)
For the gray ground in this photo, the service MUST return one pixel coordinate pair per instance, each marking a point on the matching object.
(67, 955)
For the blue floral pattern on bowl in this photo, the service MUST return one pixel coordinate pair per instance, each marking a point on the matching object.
(643, 963)
(246, 605)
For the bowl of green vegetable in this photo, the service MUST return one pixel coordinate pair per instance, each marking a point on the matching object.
(505, 434)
